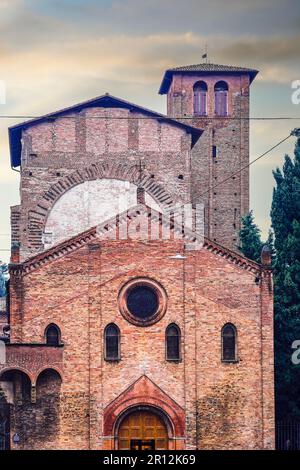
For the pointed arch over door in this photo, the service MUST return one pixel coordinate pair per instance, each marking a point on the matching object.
(144, 394)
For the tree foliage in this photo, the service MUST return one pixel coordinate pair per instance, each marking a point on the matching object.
(285, 215)
(250, 238)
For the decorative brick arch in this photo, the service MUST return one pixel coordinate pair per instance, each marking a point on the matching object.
(38, 216)
(143, 393)
(47, 368)
(24, 371)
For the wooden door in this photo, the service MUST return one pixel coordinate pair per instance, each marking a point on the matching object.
(141, 430)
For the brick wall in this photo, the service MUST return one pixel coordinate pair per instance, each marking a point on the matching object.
(222, 402)
(228, 202)
(58, 153)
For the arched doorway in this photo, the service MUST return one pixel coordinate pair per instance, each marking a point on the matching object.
(143, 429)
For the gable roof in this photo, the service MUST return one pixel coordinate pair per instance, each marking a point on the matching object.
(96, 234)
(103, 101)
(205, 68)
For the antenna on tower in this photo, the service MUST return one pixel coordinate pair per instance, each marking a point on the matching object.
(205, 55)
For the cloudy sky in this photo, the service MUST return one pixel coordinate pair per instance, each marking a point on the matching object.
(54, 53)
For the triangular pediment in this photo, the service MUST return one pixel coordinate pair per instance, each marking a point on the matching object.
(144, 388)
(131, 225)
(144, 393)
(103, 101)
(142, 222)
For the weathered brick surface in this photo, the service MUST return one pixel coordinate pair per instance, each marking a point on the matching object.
(223, 403)
(119, 140)
(228, 202)
(73, 398)
(53, 150)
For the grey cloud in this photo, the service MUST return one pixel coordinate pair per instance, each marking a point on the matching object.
(54, 21)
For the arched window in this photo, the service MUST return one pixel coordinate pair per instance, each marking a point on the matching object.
(221, 98)
(112, 342)
(229, 349)
(52, 335)
(173, 337)
(200, 98)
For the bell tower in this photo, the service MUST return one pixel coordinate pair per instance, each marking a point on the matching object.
(215, 98)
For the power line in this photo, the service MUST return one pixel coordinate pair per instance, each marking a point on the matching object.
(245, 118)
(246, 166)
(229, 177)
(238, 171)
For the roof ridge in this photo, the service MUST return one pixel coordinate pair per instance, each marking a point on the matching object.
(212, 64)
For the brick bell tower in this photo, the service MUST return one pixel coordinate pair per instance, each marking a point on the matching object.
(215, 98)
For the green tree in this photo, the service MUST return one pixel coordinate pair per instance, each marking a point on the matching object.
(250, 238)
(285, 215)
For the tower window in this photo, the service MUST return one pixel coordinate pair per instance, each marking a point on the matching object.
(112, 342)
(229, 343)
(200, 98)
(52, 335)
(214, 151)
(221, 98)
(173, 337)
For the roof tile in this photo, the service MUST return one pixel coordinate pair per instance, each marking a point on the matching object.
(203, 68)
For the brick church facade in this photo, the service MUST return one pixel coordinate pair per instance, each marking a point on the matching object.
(128, 328)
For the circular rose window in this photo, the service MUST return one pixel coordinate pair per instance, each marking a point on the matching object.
(142, 301)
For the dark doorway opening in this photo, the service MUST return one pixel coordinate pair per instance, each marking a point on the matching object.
(142, 444)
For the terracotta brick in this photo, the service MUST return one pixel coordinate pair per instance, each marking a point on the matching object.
(69, 396)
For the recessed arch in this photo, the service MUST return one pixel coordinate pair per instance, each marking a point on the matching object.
(90, 204)
(52, 370)
(160, 428)
(142, 393)
(221, 98)
(200, 85)
(173, 343)
(200, 98)
(229, 342)
(21, 383)
(97, 171)
(52, 335)
(4, 372)
(221, 85)
(112, 339)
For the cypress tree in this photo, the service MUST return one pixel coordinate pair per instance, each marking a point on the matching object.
(250, 240)
(285, 215)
